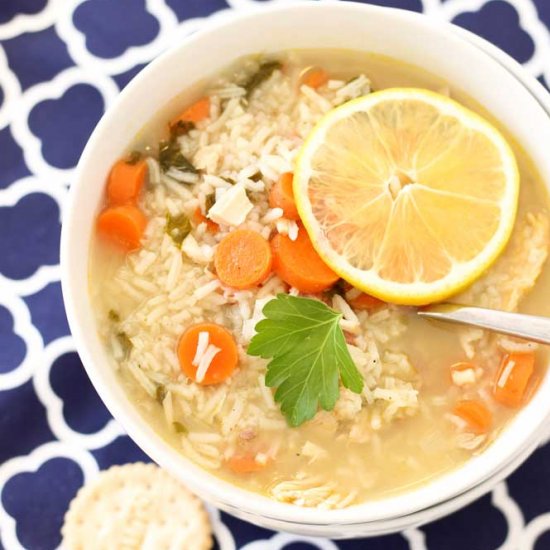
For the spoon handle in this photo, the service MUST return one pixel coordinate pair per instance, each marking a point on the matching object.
(530, 327)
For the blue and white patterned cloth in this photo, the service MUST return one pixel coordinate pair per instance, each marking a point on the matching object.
(62, 62)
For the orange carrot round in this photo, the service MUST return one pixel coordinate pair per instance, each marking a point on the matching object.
(282, 196)
(126, 182)
(365, 302)
(199, 217)
(243, 259)
(513, 377)
(315, 77)
(122, 225)
(475, 414)
(223, 363)
(196, 112)
(245, 464)
(298, 264)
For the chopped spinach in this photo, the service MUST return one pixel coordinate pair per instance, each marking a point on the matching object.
(178, 227)
(134, 157)
(160, 394)
(180, 128)
(125, 342)
(170, 156)
(257, 176)
(179, 427)
(265, 70)
(113, 316)
(209, 202)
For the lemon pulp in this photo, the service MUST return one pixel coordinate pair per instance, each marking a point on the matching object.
(407, 194)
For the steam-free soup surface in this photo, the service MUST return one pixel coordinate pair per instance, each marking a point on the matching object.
(403, 429)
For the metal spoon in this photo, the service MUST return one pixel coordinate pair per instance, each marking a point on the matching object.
(530, 327)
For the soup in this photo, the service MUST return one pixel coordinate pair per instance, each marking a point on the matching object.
(178, 306)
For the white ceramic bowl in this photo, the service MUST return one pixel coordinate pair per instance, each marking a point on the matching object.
(492, 78)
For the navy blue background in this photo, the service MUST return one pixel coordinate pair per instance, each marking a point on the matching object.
(29, 235)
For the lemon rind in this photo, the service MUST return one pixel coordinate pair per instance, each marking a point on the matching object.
(462, 274)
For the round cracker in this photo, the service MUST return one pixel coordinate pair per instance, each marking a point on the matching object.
(136, 506)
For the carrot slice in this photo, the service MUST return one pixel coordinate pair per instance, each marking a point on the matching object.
(243, 259)
(360, 300)
(126, 182)
(315, 77)
(475, 414)
(365, 302)
(122, 225)
(282, 196)
(196, 112)
(223, 363)
(245, 464)
(513, 377)
(199, 217)
(298, 264)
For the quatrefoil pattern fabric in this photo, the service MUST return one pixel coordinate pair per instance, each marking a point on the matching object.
(62, 63)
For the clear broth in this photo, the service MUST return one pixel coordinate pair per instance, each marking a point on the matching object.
(411, 451)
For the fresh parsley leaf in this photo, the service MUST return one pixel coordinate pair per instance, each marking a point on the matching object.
(308, 355)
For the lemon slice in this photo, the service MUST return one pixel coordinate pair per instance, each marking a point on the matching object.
(406, 194)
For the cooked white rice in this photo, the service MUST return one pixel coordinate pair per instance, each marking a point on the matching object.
(161, 290)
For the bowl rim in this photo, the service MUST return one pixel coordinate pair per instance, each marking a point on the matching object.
(210, 486)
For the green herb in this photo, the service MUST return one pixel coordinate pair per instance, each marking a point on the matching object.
(125, 343)
(160, 394)
(113, 316)
(180, 128)
(308, 355)
(261, 75)
(178, 227)
(257, 176)
(170, 156)
(134, 157)
(179, 427)
(209, 202)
